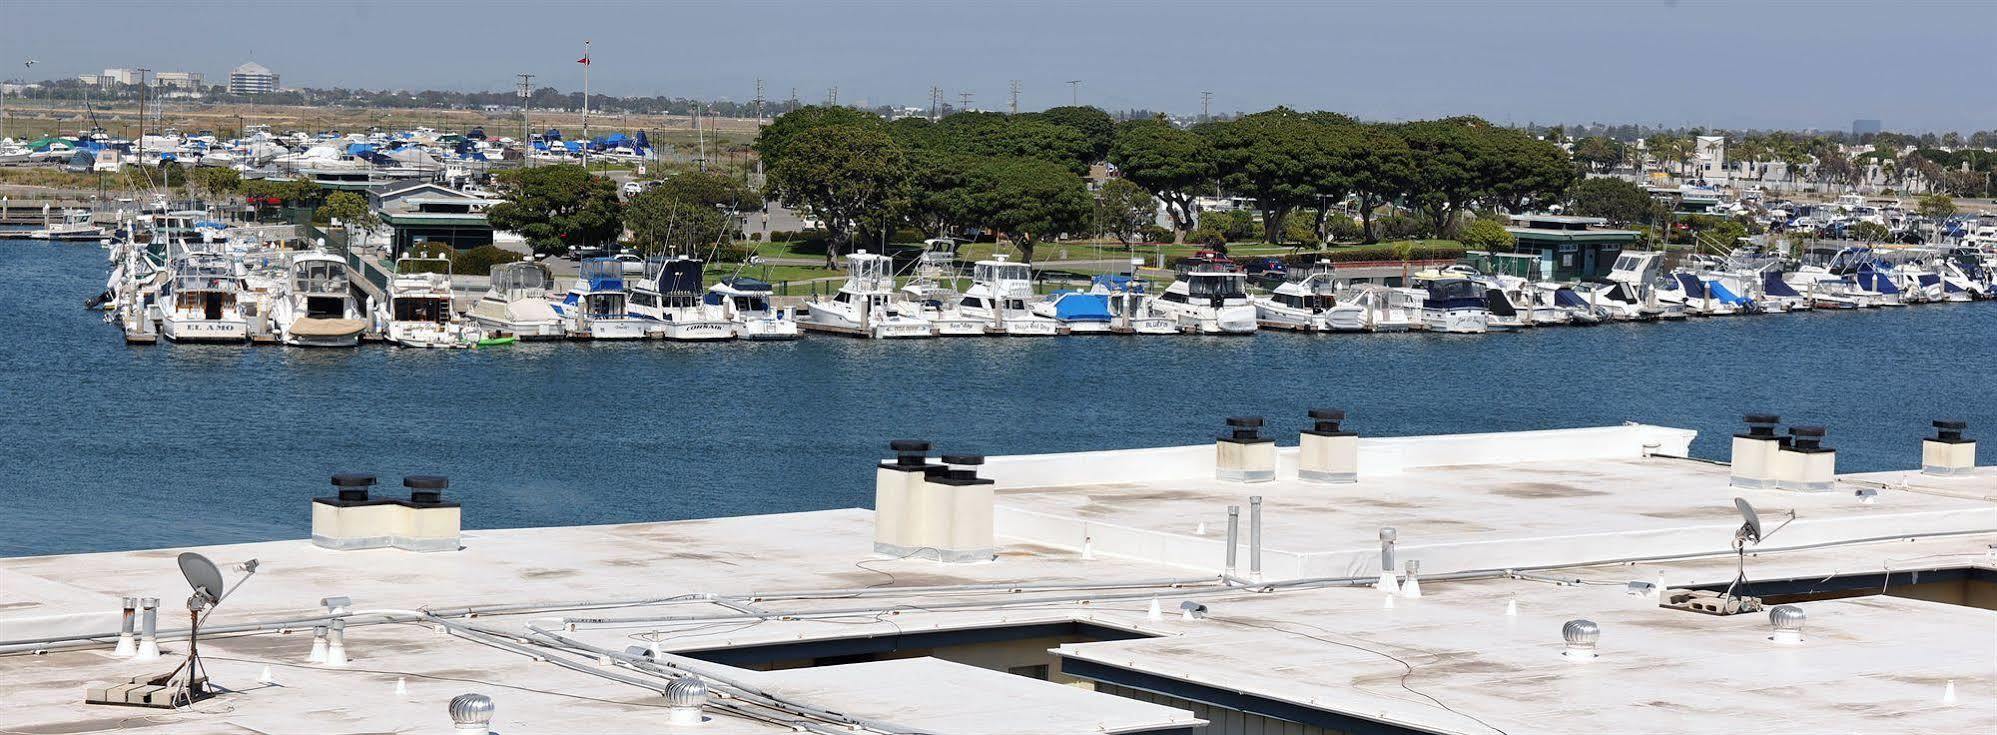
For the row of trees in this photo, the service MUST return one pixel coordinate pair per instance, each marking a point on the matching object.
(555, 208)
(1022, 174)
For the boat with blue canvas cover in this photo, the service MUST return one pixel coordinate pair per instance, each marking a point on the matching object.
(669, 300)
(1696, 295)
(596, 307)
(1130, 305)
(1078, 312)
(1778, 295)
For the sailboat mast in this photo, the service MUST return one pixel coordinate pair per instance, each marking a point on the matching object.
(586, 64)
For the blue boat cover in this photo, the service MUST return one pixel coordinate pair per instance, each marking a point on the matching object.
(1567, 297)
(552, 134)
(1081, 307)
(1725, 296)
(1928, 279)
(1950, 287)
(1773, 285)
(680, 276)
(1691, 285)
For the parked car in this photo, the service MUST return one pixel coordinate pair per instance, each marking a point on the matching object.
(1266, 268)
(633, 265)
(1208, 260)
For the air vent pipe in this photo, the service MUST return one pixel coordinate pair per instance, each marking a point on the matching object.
(148, 629)
(1243, 454)
(1754, 453)
(1325, 452)
(895, 486)
(127, 644)
(1387, 583)
(1255, 537)
(686, 697)
(1581, 637)
(1948, 453)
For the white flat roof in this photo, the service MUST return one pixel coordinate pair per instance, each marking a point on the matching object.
(1089, 539)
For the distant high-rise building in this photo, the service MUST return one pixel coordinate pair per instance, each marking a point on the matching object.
(179, 79)
(252, 78)
(1864, 127)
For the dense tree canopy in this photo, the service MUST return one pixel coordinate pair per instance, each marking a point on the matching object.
(1174, 165)
(845, 174)
(1618, 201)
(1095, 126)
(1029, 200)
(1123, 209)
(558, 207)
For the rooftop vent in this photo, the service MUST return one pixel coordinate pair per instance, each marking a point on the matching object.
(471, 714)
(1948, 453)
(1581, 637)
(941, 512)
(685, 698)
(895, 483)
(351, 519)
(1804, 463)
(1787, 620)
(1243, 454)
(1754, 453)
(1325, 452)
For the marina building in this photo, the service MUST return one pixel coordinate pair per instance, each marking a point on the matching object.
(420, 211)
(1584, 580)
(1559, 247)
(252, 78)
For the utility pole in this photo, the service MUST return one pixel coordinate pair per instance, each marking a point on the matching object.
(964, 101)
(585, 107)
(142, 122)
(832, 96)
(759, 100)
(1206, 105)
(1015, 97)
(526, 129)
(935, 103)
(1075, 91)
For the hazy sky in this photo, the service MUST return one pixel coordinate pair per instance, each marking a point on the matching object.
(1917, 66)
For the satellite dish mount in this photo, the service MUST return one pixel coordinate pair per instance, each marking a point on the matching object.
(188, 682)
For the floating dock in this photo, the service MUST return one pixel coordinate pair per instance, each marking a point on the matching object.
(1518, 582)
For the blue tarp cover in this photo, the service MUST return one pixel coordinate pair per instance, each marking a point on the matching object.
(1725, 296)
(1773, 285)
(1081, 307)
(1691, 285)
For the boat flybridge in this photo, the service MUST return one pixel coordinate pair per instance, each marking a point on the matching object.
(998, 296)
(1369, 307)
(1454, 303)
(200, 300)
(315, 305)
(74, 227)
(864, 305)
(517, 304)
(1631, 291)
(927, 297)
(1302, 304)
(745, 301)
(1208, 302)
(418, 312)
(669, 302)
(596, 306)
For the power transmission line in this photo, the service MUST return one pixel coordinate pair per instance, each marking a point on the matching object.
(1015, 96)
(1206, 104)
(1074, 91)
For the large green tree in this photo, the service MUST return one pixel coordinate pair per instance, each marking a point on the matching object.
(1094, 125)
(664, 220)
(843, 174)
(1124, 208)
(1618, 201)
(1028, 199)
(558, 207)
(712, 189)
(1447, 157)
(1275, 157)
(1174, 165)
(996, 135)
(1599, 152)
(1382, 173)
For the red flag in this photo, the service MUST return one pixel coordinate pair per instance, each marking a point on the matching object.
(584, 60)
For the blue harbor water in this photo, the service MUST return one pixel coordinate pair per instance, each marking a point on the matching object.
(104, 446)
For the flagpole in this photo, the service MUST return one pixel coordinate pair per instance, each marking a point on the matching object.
(585, 105)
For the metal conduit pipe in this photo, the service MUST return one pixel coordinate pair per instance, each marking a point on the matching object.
(682, 665)
(849, 611)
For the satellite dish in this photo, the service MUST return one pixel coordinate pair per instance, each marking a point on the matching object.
(202, 575)
(1750, 528)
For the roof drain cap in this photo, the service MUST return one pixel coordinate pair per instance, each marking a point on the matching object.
(1581, 636)
(1787, 620)
(685, 698)
(471, 714)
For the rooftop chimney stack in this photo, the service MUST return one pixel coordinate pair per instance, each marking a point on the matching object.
(1804, 463)
(1948, 453)
(1243, 454)
(1755, 452)
(966, 511)
(352, 520)
(429, 523)
(1326, 453)
(895, 485)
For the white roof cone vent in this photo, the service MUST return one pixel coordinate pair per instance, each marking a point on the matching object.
(685, 698)
(318, 654)
(1948, 694)
(265, 678)
(1412, 587)
(401, 686)
(1154, 613)
(1788, 623)
(471, 714)
(1200, 530)
(1581, 637)
(1512, 607)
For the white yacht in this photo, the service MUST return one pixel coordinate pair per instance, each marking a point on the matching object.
(1078, 312)
(418, 312)
(927, 297)
(1454, 304)
(315, 306)
(74, 227)
(864, 305)
(517, 304)
(1633, 290)
(746, 302)
(1302, 304)
(1130, 305)
(669, 302)
(200, 299)
(998, 296)
(1208, 302)
(1573, 308)
(595, 307)
(1366, 307)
